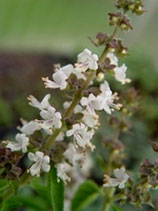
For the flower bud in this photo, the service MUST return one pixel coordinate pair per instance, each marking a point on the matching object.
(100, 77)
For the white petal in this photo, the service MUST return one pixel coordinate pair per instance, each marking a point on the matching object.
(39, 155)
(32, 156)
(45, 167)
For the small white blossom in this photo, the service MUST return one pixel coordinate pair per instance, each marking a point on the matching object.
(69, 69)
(92, 103)
(120, 180)
(44, 104)
(41, 162)
(91, 120)
(106, 97)
(78, 71)
(62, 170)
(59, 81)
(81, 135)
(113, 59)
(72, 155)
(88, 60)
(120, 74)
(52, 119)
(29, 128)
(21, 143)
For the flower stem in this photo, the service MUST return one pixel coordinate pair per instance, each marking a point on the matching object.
(105, 52)
(108, 201)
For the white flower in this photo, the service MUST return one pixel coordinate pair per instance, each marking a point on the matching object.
(78, 71)
(120, 180)
(41, 162)
(29, 128)
(62, 170)
(106, 97)
(120, 74)
(72, 155)
(51, 118)
(44, 104)
(88, 60)
(59, 81)
(21, 143)
(91, 120)
(113, 59)
(92, 103)
(81, 135)
(67, 69)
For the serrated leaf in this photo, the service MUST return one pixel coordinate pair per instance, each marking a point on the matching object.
(85, 195)
(56, 190)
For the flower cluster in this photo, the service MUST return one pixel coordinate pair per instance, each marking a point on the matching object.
(81, 129)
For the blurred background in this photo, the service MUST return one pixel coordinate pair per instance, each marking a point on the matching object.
(36, 34)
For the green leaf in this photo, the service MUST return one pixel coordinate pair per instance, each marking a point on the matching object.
(115, 208)
(34, 202)
(10, 204)
(85, 195)
(56, 190)
(41, 189)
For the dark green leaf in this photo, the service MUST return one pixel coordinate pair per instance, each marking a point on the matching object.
(41, 189)
(85, 195)
(34, 202)
(10, 204)
(56, 190)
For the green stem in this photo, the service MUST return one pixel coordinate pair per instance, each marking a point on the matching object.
(109, 196)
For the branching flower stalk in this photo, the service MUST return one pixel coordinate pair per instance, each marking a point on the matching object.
(39, 140)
